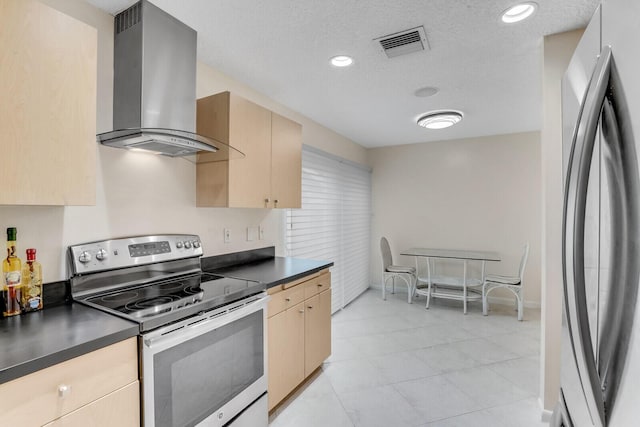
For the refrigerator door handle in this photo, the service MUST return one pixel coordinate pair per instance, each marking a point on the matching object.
(573, 236)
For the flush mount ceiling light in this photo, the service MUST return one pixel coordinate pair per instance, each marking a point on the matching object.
(519, 12)
(341, 61)
(440, 119)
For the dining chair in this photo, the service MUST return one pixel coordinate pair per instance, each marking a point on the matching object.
(390, 271)
(513, 283)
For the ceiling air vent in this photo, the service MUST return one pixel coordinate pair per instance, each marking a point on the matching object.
(408, 41)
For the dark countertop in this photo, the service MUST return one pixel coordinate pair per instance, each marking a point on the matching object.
(273, 271)
(34, 341)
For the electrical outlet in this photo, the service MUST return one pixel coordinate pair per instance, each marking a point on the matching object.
(261, 233)
(252, 234)
(227, 235)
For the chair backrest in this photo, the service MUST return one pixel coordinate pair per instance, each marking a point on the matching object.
(523, 262)
(385, 250)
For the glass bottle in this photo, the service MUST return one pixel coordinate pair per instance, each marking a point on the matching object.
(31, 283)
(12, 272)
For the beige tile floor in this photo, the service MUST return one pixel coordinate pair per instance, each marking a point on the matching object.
(397, 364)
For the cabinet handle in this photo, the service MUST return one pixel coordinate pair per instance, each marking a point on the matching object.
(64, 390)
(320, 285)
(275, 203)
(266, 202)
(287, 299)
(309, 307)
(301, 311)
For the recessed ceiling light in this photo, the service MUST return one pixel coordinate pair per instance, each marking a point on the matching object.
(341, 61)
(440, 119)
(519, 12)
(425, 92)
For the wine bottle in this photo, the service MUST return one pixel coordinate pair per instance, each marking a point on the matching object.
(12, 273)
(31, 283)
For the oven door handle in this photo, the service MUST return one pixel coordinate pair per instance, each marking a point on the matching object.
(169, 337)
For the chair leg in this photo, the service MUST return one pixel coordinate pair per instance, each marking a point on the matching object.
(464, 288)
(384, 285)
(428, 295)
(393, 284)
(485, 303)
(520, 306)
(407, 281)
(464, 299)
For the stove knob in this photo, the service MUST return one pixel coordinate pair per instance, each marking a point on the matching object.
(178, 245)
(196, 244)
(84, 257)
(187, 244)
(101, 255)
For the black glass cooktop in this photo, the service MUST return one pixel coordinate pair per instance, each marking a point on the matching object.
(179, 297)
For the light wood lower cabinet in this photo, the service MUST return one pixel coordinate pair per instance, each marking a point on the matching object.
(120, 408)
(317, 343)
(286, 352)
(82, 388)
(299, 332)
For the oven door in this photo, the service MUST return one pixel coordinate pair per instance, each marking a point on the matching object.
(206, 369)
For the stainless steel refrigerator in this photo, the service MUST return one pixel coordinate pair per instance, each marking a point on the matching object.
(600, 366)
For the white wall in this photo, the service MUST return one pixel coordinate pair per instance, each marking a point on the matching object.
(140, 193)
(478, 193)
(557, 51)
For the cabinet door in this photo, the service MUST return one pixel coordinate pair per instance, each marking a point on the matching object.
(47, 106)
(212, 168)
(70, 385)
(286, 162)
(317, 331)
(286, 352)
(250, 132)
(120, 408)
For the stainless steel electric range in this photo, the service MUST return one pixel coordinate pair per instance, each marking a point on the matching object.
(202, 336)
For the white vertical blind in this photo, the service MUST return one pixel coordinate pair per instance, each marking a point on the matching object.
(334, 223)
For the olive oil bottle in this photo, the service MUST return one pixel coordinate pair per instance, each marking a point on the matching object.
(31, 283)
(12, 275)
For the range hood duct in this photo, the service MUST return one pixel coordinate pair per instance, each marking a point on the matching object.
(154, 99)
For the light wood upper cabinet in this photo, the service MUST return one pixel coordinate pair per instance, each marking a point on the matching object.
(286, 162)
(271, 168)
(47, 106)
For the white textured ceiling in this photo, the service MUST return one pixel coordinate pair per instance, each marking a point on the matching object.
(489, 70)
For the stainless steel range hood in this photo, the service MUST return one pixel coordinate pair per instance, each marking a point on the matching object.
(154, 100)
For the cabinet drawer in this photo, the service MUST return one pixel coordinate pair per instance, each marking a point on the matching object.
(285, 299)
(317, 284)
(85, 378)
(120, 408)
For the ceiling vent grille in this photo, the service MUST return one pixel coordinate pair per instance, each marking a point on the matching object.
(128, 18)
(404, 42)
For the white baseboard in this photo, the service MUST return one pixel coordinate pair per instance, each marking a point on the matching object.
(402, 288)
(546, 414)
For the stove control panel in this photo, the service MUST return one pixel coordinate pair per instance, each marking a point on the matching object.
(130, 251)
